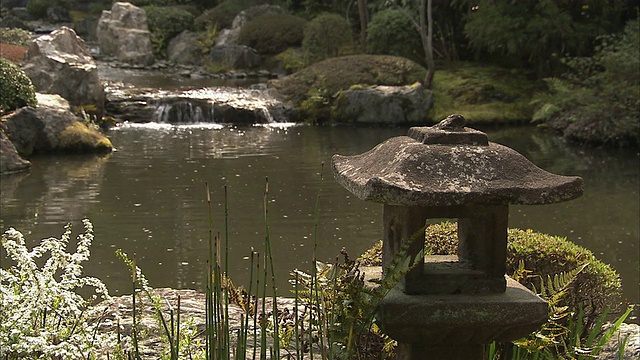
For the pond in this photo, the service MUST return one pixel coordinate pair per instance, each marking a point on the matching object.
(149, 198)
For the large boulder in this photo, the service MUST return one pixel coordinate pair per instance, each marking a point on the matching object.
(183, 49)
(51, 127)
(10, 160)
(123, 33)
(389, 105)
(59, 63)
(235, 56)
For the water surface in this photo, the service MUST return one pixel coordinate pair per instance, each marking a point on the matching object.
(149, 198)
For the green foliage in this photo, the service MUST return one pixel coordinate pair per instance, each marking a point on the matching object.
(392, 33)
(15, 36)
(332, 75)
(560, 28)
(141, 3)
(483, 94)
(42, 314)
(292, 59)
(207, 39)
(595, 288)
(38, 8)
(165, 23)
(326, 35)
(16, 89)
(596, 101)
(272, 33)
(222, 15)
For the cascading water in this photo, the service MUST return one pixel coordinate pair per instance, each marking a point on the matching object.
(218, 105)
(184, 111)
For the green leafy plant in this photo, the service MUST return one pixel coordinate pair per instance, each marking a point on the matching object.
(505, 28)
(223, 14)
(272, 33)
(15, 36)
(596, 101)
(16, 89)
(42, 314)
(207, 39)
(165, 23)
(325, 36)
(390, 32)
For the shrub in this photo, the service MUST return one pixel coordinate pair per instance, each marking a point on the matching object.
(165, 23)
(596, 287)
(597, 101)
(392, 33)
(325, 35)
(15, 36)
(16, 89)
(272, 33)
(42, 314)
(221, 15)
(38, 8)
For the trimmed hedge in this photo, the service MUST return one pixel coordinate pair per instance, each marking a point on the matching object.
(392, 33)
(16, 88)
(271, 34)
(326, 35)
(221, 15)
(598, 286)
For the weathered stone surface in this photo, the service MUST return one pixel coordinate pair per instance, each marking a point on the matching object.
(404, 171)
(182, 49)
(51, 127)
(10, 160)
(459, 319)
(235, 56)
(59, 63)
(395, 105)
(122, 32)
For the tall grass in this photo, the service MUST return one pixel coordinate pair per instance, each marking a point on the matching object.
(333, 316)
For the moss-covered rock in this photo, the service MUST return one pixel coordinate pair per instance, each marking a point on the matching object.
(313, 89)
(79, 138)
(483, 94)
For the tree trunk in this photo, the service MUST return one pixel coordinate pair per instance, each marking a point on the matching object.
(364, 21)
(426, 34)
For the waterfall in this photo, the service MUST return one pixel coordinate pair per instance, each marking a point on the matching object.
(184, 111)
(217, 105)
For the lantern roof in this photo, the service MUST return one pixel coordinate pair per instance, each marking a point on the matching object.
(449, 164)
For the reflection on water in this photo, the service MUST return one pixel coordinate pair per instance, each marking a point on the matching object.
(149, 198)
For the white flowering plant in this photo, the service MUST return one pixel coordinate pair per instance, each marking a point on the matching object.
(42, 314)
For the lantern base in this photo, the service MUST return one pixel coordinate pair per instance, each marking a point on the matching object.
(447, 324)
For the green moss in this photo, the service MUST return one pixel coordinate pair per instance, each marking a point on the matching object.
(328, 77)
(483, 94)
(79, 138)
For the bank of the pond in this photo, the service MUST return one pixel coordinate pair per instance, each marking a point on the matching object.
(117, 312)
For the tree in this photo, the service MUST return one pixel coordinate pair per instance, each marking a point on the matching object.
(541, 32)
(424, 25)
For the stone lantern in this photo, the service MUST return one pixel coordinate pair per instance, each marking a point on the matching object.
(450, 307)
